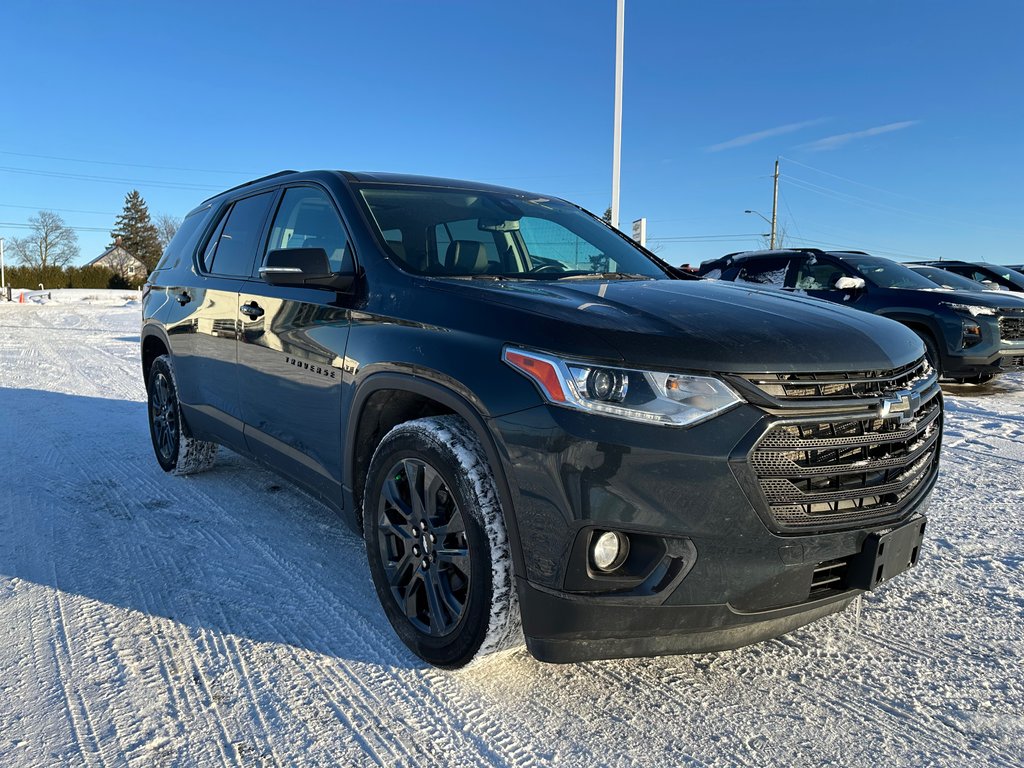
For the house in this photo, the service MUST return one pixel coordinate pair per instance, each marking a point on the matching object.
(118, 260)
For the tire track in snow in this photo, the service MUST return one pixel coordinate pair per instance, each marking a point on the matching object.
(232, 657)
(431, 713)
(82, 727)
(104, 466)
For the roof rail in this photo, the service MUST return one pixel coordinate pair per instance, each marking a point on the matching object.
(248, 183)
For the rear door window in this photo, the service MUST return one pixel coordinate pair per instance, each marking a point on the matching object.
(307, 218)
(240, 233)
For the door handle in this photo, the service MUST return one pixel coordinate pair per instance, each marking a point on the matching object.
(251, 310)
(183, 298)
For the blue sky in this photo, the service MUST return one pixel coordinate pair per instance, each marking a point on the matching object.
(899, 124)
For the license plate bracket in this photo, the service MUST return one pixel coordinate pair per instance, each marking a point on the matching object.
(886, 555)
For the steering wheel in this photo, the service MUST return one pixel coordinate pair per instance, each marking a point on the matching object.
(546, 268)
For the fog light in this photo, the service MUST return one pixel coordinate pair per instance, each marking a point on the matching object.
(609, 550)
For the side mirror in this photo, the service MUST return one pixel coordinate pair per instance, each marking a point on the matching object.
(304, 268)
(850, 284)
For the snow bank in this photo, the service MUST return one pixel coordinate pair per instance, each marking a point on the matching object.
(95, 296)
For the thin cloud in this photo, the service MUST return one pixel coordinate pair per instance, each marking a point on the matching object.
(834, 142)
(750, 138)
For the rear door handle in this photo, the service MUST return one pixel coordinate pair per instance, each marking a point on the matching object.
(184, 298)
(251, 310)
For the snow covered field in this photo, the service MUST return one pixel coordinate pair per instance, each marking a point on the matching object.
(227, 619)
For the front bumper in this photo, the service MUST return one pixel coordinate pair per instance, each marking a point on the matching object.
(993, 354)
(568, 628)
(721, 578)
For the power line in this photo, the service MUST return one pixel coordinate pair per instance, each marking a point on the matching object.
(878, 207)
(885, 206)
(111, 179)
(860, 247)
(792, 218)
(127, 165)
(59, 210)
(703, 238)
(852, 181)
(17, 225)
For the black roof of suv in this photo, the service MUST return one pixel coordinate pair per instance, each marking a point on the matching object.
(525, 414)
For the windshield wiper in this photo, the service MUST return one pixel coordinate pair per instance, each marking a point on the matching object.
(606, 276)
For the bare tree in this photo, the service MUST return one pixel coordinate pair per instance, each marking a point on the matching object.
(51, 243)
(780, 238)
(166, 228)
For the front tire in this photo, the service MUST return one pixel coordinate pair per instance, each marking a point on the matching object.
(436, 543)
(176, 451)
(931, 351)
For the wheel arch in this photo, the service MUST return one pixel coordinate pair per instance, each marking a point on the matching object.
(922, 327)
(154, 344)
(384, 400)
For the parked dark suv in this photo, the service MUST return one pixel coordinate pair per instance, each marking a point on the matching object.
(995, 275)
(968, 336)
(528, 416)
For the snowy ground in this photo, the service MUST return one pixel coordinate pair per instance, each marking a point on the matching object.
(227, 619)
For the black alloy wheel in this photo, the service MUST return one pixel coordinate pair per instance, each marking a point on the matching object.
(163, 418)
(423, 546)
(436, 543)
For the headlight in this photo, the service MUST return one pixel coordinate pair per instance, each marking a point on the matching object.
(971, 309)
(675, 399)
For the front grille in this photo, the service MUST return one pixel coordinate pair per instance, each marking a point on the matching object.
(809, 387)
(1011, 328)
(837, 471)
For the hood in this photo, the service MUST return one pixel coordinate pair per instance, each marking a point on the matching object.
(705, 325)
(1006, 300)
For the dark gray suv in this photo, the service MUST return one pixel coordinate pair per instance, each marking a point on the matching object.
(541, 430)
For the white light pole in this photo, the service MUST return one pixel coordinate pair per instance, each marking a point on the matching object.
(620, 22)
(3, 274)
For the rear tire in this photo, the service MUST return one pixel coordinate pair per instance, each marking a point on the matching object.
(436, 543)
(176, 451)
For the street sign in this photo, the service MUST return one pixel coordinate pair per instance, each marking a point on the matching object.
(640, 232)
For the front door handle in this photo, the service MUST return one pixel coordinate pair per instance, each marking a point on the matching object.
(183, 298)
(251, 310)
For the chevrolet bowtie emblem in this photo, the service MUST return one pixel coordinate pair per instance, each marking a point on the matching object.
(902, 404)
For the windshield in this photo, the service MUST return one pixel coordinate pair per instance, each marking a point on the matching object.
(888, 274)
(950, 280)
(1009, 277)
(472, 233)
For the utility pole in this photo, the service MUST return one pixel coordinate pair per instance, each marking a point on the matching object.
(775, 204)
(3, 274)
(620, 21)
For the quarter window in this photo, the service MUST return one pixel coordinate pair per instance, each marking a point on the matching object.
(307, 219)
(236, 247)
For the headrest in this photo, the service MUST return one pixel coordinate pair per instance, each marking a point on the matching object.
(466, 257)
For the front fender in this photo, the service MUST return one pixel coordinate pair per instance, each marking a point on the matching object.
(460, 400)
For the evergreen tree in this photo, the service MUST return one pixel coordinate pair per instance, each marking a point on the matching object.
(139, 236)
